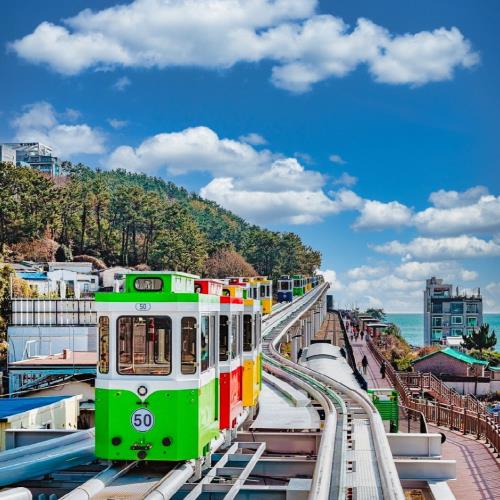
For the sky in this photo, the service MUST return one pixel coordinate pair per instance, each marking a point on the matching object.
(369, 128)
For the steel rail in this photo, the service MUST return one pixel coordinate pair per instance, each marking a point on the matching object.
(391, 486)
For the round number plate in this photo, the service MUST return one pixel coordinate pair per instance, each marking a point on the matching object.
(142, 420)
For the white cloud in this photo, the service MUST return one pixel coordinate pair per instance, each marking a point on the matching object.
(117, 124)
(253, 139)
(305, 47)
(346, 180)
(462, 216)
(420, 271)
(122, 83)
(379, 215)
(305, 157)
(330, 276)
(39, 122)
(441, 248)
(337, 159)
(453, 199)
(265, 206)
(192, 149)
(363, 272)
(257, 184)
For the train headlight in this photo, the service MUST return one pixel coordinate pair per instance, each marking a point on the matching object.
(142, 390)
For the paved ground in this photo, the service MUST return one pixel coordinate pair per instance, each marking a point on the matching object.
(478, 471)
(372, 375)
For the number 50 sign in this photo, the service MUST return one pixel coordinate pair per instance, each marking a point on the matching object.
(142, 420)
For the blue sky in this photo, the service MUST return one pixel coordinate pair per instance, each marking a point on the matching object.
(337, 120)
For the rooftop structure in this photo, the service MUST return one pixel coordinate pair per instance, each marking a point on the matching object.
(447, 314)
(34, 154)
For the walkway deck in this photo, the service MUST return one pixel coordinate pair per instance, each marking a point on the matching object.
(478, 471)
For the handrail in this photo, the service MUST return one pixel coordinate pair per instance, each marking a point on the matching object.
(391, 485)
(457, 418)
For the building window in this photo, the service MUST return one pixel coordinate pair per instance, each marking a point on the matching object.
(437, 334)
(103, 344)
(472, 308)
(457, 332)
(470, 331)
(247, 332)
(457, 320)
(188, 346)
(148, 284)
(144, 345)
(223, 338)
(437, 307)
(472, 321)
(437, 321)
(457, 308)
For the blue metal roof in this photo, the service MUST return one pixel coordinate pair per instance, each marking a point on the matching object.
(32, 276)
(13, 406)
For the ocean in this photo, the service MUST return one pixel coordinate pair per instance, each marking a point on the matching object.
(412, 326)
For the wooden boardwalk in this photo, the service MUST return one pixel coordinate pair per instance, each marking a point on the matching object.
(478, 471)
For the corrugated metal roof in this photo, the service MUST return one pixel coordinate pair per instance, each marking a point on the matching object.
(14, 406)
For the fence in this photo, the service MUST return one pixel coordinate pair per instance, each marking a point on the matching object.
(52, 312)
(456, 415)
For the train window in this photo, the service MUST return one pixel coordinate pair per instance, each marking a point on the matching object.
(297, 283)
(188, 346)
(148, 284)
(144, 345)
(103, 344)
(263, 293)
(284, 285)
(213, 336)
(205, 343)
(223, 338)
(258, 332)
(235, 333)
(247, 332)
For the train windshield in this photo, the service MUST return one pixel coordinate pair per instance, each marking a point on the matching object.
(223, 338)
(188, 346)
(297, 283)
(144, 345)
(247, 332)
(284, 285)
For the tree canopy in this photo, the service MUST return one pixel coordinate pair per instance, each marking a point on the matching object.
(132, 219)
(480, 338)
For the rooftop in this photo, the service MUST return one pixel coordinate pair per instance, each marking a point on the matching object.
(14, 406)
(65, 358)
(453, 353)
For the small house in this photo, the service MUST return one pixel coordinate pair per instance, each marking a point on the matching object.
(450, 362)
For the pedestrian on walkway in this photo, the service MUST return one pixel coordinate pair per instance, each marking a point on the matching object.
(362, 334)
(364, 364)
(382, 370)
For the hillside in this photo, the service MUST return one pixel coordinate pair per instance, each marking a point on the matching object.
(130, 219)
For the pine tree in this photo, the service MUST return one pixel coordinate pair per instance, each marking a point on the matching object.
(480, 339)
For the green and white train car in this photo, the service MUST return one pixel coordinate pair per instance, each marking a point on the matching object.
(157, 379)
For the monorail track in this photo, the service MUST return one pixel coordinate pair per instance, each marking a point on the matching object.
(329, 478)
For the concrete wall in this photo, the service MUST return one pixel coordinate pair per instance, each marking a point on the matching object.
(470, 387)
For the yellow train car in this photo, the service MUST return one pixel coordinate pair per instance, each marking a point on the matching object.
(252, 351)
(309, 286)
(265, 293)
